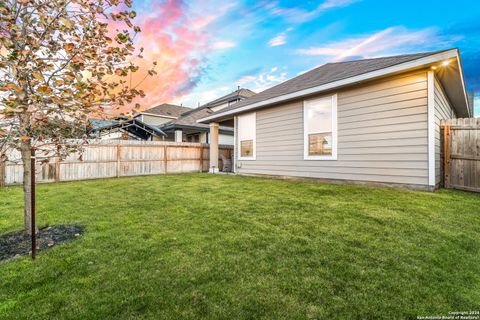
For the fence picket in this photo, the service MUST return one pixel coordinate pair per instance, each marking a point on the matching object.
(110, 159)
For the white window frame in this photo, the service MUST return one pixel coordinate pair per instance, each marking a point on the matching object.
(306, 156)
(239, 147)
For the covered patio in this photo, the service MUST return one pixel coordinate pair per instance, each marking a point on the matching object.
(214, 147)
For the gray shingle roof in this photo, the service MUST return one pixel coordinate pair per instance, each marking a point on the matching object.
(189, 119)
(98, 124)
(241, 93)
(169, 110)
(327, 73)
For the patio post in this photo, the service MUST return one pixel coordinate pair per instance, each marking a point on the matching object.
(213, 147)
(178, 136)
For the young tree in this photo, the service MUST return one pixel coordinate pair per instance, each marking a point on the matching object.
(60, 62)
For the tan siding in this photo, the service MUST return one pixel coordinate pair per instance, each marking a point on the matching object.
(443, 110)
(382, 136)
(155, 120)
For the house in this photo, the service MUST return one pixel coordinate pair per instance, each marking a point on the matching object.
(373, 121)
(186, 128)
(125, 129)
(161, 114)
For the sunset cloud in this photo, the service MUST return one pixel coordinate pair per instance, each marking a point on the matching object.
(245, 79)
(336, 4)
(279, 40)
(203, 22)
(177, 37)
(263, 80)
(300, 15)
(224, 44)
(389, 41)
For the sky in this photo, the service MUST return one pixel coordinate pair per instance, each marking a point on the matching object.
(206, 48)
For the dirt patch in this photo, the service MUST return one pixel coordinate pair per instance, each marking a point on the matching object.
(15, 244)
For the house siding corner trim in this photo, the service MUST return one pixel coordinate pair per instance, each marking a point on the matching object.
(431, 127)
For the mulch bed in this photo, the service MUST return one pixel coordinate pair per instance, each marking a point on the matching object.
(16, 244)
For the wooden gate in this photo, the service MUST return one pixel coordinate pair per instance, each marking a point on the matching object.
(461, 153)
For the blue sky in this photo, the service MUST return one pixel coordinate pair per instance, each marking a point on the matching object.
(207, 48)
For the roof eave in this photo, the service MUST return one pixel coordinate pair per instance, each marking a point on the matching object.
(415, 64)
(202, 129)
(155, 115)
(462, 76)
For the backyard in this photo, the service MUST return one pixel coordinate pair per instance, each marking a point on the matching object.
(223, 247)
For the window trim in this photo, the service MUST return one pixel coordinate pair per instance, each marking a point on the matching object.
(239, 144)
(306, 156)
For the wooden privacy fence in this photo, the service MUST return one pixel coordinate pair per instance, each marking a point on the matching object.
(110, 159)
(461, 153)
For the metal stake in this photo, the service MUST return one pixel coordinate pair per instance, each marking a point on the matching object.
(32, 201)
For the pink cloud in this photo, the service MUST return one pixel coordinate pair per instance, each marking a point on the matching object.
(203, 22)
(176, 38)
(224, 44)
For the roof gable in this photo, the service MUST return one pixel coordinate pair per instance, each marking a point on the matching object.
(167, 110)
(190, 118)
(240, 94)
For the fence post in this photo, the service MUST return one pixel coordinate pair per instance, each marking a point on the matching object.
(57, 169)
(201, 158)
(165, 158)
(446, 153)
(2, 172)
(119, 160)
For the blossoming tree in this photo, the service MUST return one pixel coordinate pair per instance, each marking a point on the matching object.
(60, 62)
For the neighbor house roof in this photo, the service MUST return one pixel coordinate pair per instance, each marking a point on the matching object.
(334, 75)
(99, 124)
(190, 119)
(133, 126)
(166, 110)
(241, 93)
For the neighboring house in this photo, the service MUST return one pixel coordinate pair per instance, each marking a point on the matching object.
(187, 129)
(124, 129)
(161, 114)
(374, 120)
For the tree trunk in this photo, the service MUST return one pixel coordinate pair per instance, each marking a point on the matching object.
(27, 186)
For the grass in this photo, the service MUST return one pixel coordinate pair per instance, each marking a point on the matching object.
(226, 247)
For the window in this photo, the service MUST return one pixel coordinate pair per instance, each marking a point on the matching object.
(246, 136)
(320, 128)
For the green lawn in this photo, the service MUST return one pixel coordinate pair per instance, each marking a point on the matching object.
(227, 247)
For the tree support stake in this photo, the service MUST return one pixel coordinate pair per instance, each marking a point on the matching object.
(32, 199)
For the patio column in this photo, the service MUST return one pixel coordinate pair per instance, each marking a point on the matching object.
(213, 147)
(178, 136)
